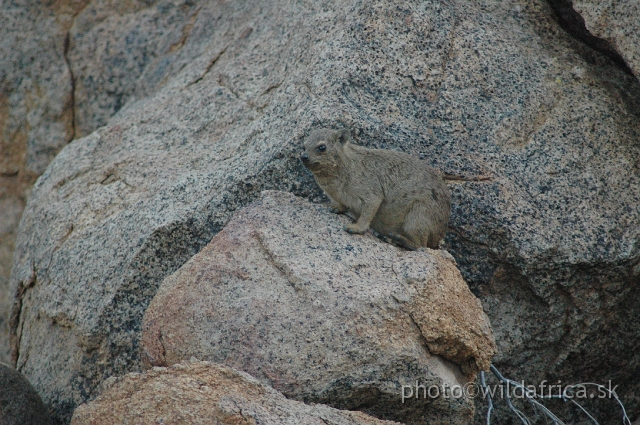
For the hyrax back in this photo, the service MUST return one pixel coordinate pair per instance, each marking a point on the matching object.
(394, 193)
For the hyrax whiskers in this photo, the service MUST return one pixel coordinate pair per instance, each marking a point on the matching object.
(395, 194)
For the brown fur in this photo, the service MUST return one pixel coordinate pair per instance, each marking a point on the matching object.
(395, 194)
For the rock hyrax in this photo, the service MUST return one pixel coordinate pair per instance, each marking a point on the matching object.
(398, 195)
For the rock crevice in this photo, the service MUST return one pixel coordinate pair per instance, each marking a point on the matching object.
(574, 24)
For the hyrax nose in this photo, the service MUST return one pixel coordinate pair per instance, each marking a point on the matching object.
(304, 157)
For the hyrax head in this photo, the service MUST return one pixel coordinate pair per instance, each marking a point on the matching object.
(323, 148)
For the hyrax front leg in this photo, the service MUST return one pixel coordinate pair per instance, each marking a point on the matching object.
(368, 211)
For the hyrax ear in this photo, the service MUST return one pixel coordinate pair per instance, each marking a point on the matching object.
(344, 136)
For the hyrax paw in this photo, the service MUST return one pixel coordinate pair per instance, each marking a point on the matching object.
(397, 238)
(354, 229)
(337, 209)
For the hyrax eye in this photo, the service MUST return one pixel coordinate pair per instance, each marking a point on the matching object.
(322, 148)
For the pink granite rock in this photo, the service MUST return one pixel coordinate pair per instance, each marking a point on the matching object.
(286, 295)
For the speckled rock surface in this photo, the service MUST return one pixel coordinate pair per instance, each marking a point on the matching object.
(596, 38)
(549, 244)
(12, 203)
(120, 51)
(204, 393)
(19, 402)
(322, 315)
(36, 102)
(450, 318)
(618, 22)
(36, 115)
(65, 68)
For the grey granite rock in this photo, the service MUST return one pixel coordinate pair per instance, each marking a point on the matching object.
(36, 100)
(616, 21)
(36, 115)
(286, 295)
(11, 207)
(121, 51)
(602, 26)
(549, 243)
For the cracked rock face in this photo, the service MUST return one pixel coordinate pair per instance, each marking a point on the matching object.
(286, 295)
(112, 67)
(204, 393)
(36, 91)
(36, 116)
(615, 21)
(217, 113)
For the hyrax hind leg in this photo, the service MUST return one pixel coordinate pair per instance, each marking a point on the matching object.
(404, 241)
(421, 227)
